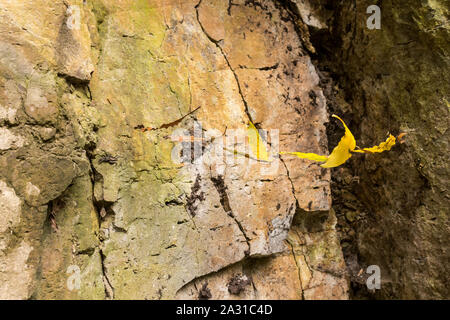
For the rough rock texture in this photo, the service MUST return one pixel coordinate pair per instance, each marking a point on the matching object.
(82, 187)
(392, 208)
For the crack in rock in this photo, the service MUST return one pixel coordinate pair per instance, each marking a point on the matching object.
(216, 43)
(221, 188)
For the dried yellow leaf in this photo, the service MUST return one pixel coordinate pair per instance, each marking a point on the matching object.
(342, 152)
(309, 156)
(384, 146)
(257, 145)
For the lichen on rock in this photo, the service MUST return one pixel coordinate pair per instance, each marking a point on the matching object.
(86, 190)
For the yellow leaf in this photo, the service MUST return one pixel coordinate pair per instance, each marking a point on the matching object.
(342, 152)
(256, 143)
(309, 156)
(384, 146)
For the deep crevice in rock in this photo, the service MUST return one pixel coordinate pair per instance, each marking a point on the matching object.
(100, 208)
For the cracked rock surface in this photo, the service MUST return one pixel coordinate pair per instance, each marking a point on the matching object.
(82, 189)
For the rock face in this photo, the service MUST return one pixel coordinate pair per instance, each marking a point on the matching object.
(93, 207)
(395, 206)
(124, 165)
